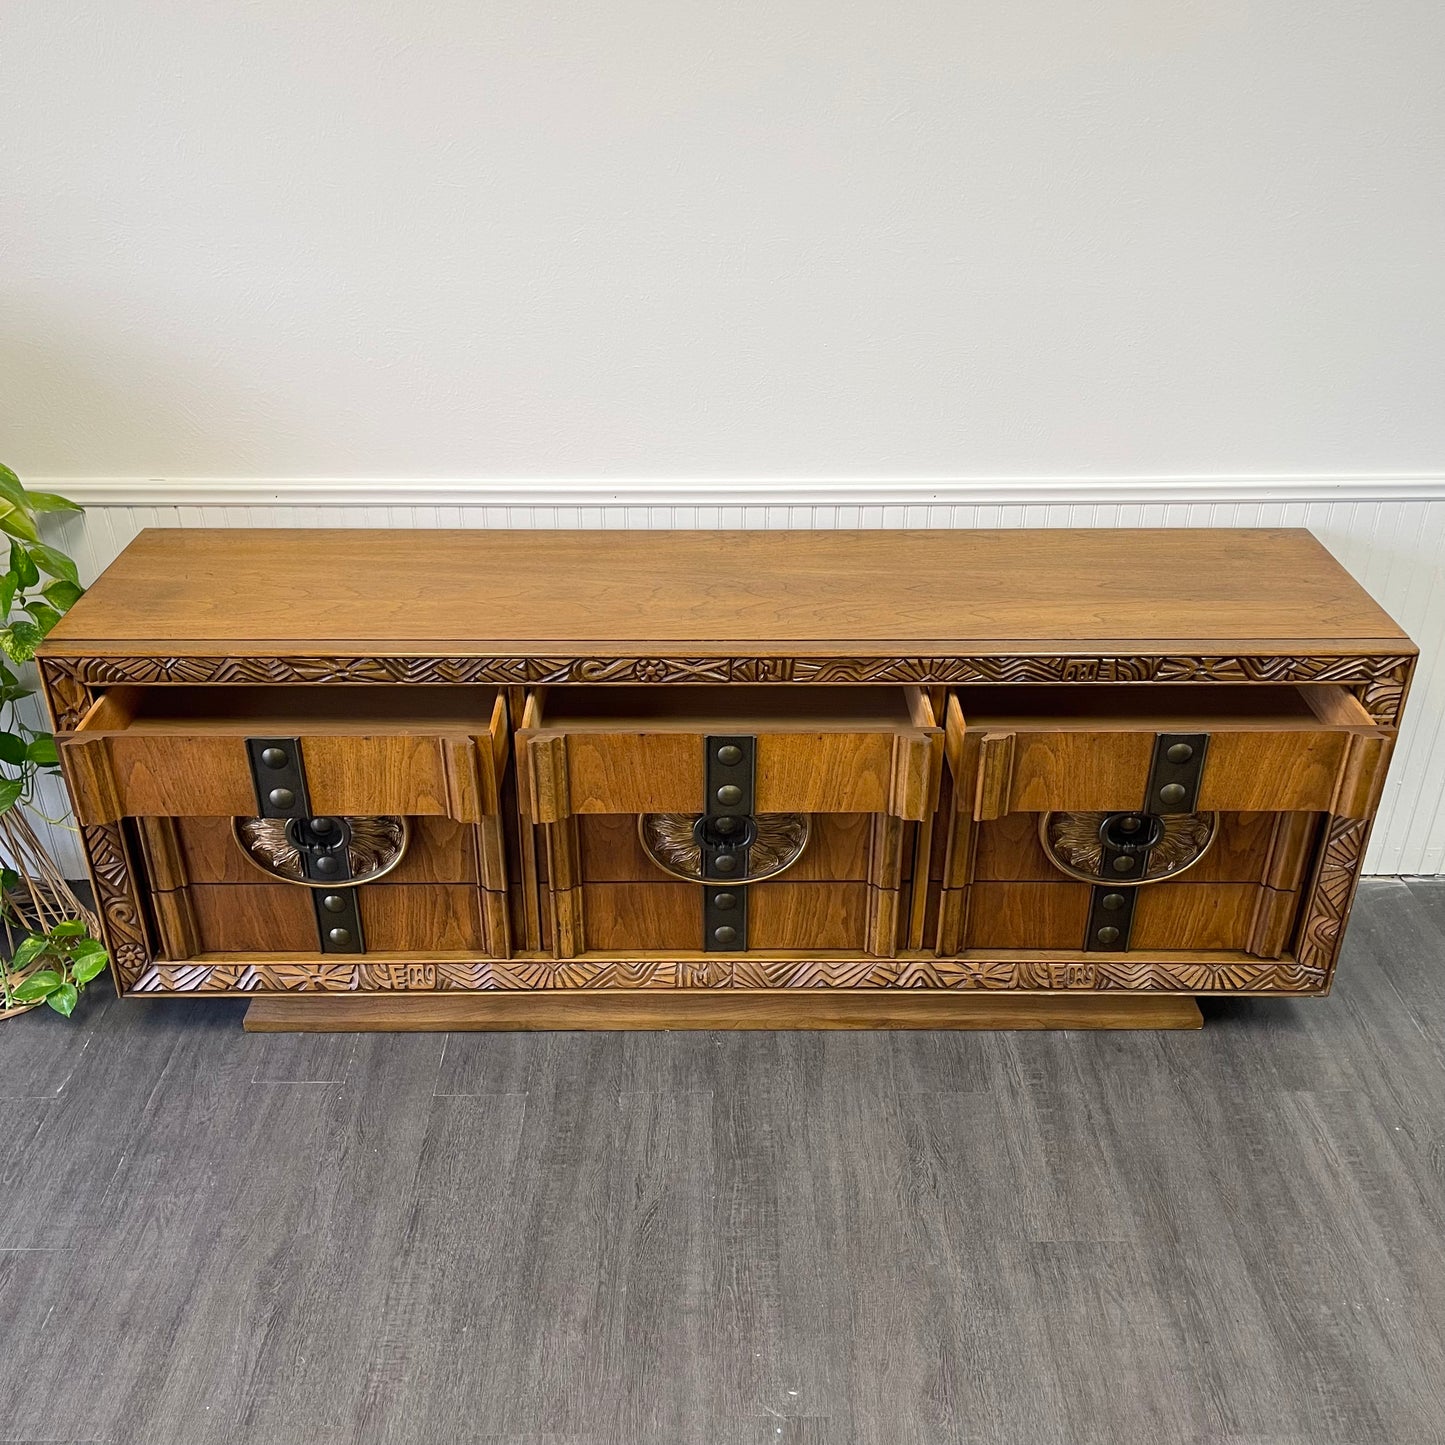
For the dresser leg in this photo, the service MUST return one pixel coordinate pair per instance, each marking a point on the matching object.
(723, 1009)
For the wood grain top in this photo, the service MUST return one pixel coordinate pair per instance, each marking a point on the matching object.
(260, 592)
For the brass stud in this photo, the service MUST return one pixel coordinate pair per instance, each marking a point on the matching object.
(726, 862)
(323, 825)
(274, 757)
(1124, 864)
(1173, 793)
(1108, 934)
(281, 798)
(730, 754)
(729, 795)
(725, 934)
(725, 901)
(326, 864)
(1112, 901)
(1180, 753)
(340, 936)
(334, 903)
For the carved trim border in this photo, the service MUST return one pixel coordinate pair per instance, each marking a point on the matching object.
(1380, 679)
(527, 975)
(115, 896)
(1332, 893)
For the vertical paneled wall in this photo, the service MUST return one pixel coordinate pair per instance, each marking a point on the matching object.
(1395, 548)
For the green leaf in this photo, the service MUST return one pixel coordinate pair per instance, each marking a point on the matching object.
(17, 523)
(42, 750)
(71, 928)
(37, 986)
(22, 564)
(13, 694)
(63, 594)
(52, 502)
(10, 791)
(19, 640)
(53, 561)
(9, 879)
(89, 948)
(28, 950)
(8, 583)
(63, 999)
(12, 748)
(44, 615)
(94, 964)
(12, 489)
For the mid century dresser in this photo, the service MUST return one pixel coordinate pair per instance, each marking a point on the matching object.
(727, 779)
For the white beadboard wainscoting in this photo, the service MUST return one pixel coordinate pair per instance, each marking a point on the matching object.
(1389, 532)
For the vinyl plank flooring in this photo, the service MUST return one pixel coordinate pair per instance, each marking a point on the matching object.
(1229, 1237)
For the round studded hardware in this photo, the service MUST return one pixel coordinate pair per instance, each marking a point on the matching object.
(725, 901)
(333, 903)
(1180, 753)
(775, 841)
(274, 757)
(729, 755)
(1112, 901)
(729, 795)
(339, 936)
(1109, 934)
(374, 847)
(1161, 846)
(1173, 793)
(281, 797)
(726, 934)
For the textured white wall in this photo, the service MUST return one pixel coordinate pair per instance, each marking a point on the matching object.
(820, 238)
(1002, 247)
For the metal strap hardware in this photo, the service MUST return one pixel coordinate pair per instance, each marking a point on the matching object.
(324, 844)
(724, 833)
(1174, 779)
(279, 777)
(1175, 774)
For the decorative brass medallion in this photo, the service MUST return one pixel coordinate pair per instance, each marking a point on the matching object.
(1074, 843)
(671, 841)
(376, 845)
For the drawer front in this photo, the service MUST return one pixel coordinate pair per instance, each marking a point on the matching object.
(1168, 917)
(824, 772)
(139, 754)
(439, 850)
(1243, 772)
(274, 918)
(1276, 751)
(653, 917)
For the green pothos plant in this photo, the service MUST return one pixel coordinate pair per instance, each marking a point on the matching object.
(52, 947)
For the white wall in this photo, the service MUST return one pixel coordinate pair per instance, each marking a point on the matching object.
(860, 263)
(686, 238)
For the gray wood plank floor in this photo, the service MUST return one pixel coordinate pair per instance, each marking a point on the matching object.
(1237, 1236)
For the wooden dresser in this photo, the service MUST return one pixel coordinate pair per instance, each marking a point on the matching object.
(725, 779)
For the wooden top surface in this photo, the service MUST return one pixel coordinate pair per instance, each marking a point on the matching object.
(261, 592)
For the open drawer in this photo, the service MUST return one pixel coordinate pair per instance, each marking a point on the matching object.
(1164, 749)
(209, 751)
(642, 750)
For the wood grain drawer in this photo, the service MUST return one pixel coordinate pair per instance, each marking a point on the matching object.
(275, 918)
(1083, 748)
(1168, 917)
(819, 750)
(180, 751)
(783, 915)
(204, 850)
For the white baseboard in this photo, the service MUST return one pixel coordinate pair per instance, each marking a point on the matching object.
(643, 491)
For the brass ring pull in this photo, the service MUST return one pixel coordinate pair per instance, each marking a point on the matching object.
(1074, 844)
(377, 846)
(670, 841)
